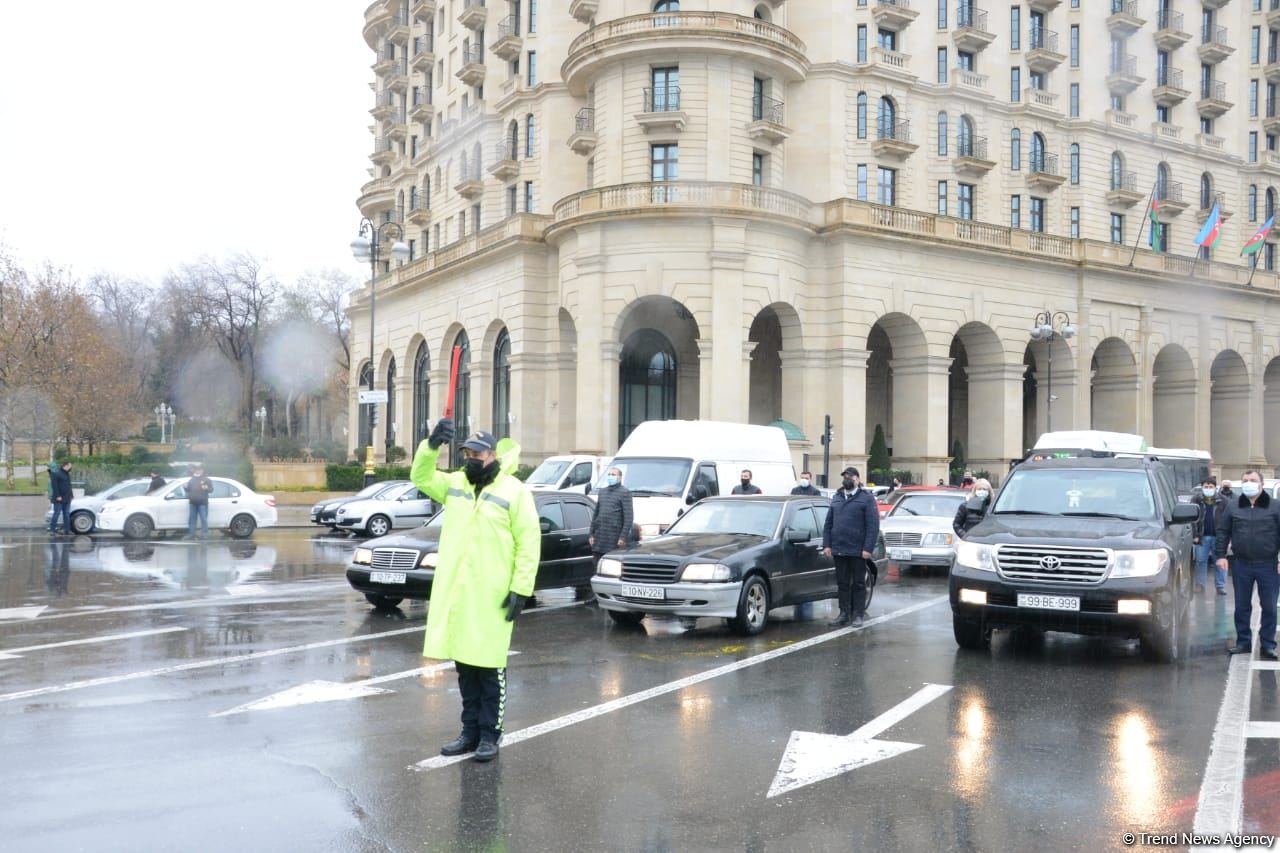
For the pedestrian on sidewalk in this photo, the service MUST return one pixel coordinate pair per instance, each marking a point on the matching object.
(61, 495)
(1251, 528)
(199, 488)
(974, 508)
(806, 487)
(1212, 508)
(489, 552)
(611, 523)
(745, 486)
(848, 538)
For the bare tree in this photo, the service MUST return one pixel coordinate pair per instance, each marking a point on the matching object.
(127, 308)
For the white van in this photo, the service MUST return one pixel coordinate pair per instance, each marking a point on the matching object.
(668, 465)
(567, 473)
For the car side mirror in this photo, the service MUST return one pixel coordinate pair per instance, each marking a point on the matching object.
(795, 537)
(545, 526)
(697, 493)
(1186, 514)
(588, 489)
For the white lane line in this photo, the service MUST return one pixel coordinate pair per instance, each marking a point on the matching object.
(1221, 807)
(202, 602)
(679, 684)
(13, 653)
(1266, 664)
(251, 656)
(10, 613)
(901, 711)
(1262, 728)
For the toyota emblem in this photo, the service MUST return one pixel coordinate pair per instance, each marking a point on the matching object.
(1050, 563)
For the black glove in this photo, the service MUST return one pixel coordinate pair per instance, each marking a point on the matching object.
(514, 602)
(442, 434)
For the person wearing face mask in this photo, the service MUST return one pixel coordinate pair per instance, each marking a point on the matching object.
(1211, 509)
(1251, 528)
(746, 487)
(848, 538)
(974, 509)
(611, 524)
(806, 487)
(488, 560)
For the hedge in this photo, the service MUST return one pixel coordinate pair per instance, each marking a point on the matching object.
(350, 478)
(98, 472)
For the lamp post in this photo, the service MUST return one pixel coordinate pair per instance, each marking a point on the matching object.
(173, 427)
(261, 415)
(163, 413)
(367, 247)
(1049, 326)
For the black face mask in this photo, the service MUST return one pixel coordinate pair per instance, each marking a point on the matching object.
(477, 471)
(746, 483)
(848, 483)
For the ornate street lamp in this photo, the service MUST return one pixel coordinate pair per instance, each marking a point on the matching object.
(1049, 326)
(164, 415)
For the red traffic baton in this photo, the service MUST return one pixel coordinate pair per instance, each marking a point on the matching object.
(453, 381)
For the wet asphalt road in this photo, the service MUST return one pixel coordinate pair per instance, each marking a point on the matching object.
(111, 744)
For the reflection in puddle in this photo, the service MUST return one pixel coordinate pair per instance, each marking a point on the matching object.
(971, 755)
(1137, 774)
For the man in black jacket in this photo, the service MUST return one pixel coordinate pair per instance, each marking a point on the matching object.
(198, 489)
(611, 524)
(805, 487)
(60, 491)
(157, 482)
(1251, 528)
(849, 537)
(746, 487)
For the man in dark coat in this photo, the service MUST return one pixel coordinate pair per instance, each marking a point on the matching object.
(1251, 528)
(611, 524)
(746, 487)
(849, 537)
(198, 489)
(805, 486)
(156, 482)
(60, 493)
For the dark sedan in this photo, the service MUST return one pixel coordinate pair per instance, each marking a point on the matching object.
(392, 568)
(734, 558)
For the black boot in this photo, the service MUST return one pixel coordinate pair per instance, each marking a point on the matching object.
(461, 745)
(486, 751)
(840, 621)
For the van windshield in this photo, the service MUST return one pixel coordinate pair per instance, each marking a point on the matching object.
(1188, 474)
(548, 473)
(652, 476)
(1085, 492)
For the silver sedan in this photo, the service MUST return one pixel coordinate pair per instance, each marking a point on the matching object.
(377, 516)
(918, 531)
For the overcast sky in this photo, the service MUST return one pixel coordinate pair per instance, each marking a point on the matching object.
(140, 134)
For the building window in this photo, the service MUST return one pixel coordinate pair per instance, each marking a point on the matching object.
(1075, 223)
(511, 200)
(1074, 100)
(1015, 211)
(530, 135)
(1255, 45)
(502, 386)
(1162, 113)
(942, 198)
(942, 134)
(757, 99)
(531, 67)
(757, 168)
(1015, 149)
(1075, 163)
(664, 162)
(1037, 81)
(1253, 146)
(965, 199)
(887, 186)
(1253, 99)
(942, 65)
(665, 94)
(533, 16)
(528, 196)
(1206, 126)
(1117, 228)
(647, 381)
(1037, 214)
(862, 115)
(1117, 104)
(1015, 84)
(862, 182)
(413, 249)
(1075, 45)
(421, 392)
(887, 40)
(862, 42)
(475, 218)
(964, 60)
(1253, 202)
(436, 239)
(1206, 191)
(1015, 28)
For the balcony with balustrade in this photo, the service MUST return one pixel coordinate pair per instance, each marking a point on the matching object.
(962, 80)
(1042, 172)
(1122, 76)
(767, 120)
(509, 42)
(1214, 4)
(772, 49)
(423, 10)
(1039, 102)
(1124, 20)
(1045, 6)
(398, 30)
(1207, 205)
(419, 211)
(385, 151)
(661, 110)
(893, 15)
(1273, 15)
(394, 126)
(506, 163)
(890, 64)
(584, 10)
(1169, 202)
(1213, 99)
(893, 138)
(584, 139)
(1213, 45)
(422, 109)
(384, 105)
(473, 14)
(1271, 116)
(971, 160)
(424, 53)
(972, 33)
(1169, 91)
(1042, 53)
(470, 183)
(1171, 33)
(471, 72)
(377, 18)
(1272, 69)
(1124, 190)
(1166, 133)
(378, 194)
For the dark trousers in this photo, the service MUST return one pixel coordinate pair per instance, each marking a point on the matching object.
(198, 514)
(62, 508)
(484, 700)
(851, 583)
(1244, 577)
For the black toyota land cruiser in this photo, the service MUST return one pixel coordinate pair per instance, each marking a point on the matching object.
(1084, 546)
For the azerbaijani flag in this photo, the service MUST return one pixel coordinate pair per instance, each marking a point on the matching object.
(1211, 233)
(1157, 230)
(1259, 237)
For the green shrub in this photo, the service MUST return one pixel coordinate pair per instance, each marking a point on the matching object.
(396, 454)
(350, 478)
(878, 459)
(279, 447)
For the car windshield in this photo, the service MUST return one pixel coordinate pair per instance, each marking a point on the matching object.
(127, 489)
(931, 505)
(652, 476)
(752, 518)
(436, 521)
(548, 473)
(370, 491)
(1078, 492)
(391, 492)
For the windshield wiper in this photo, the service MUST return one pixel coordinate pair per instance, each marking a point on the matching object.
(909, 509)
(651, 492)
(1022, 512)
(1100, 515)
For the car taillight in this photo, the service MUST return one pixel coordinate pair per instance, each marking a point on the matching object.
(270, 499)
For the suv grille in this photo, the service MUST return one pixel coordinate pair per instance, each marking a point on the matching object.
(899, 540)
(647, 572)
(394, 559)
(1053, 564)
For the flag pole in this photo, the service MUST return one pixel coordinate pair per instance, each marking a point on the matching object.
(1254, 268)
(1145, 216)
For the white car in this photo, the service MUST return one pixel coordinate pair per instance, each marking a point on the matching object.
(233, 507)
(85, 510)
(918, 531)
(403, 506)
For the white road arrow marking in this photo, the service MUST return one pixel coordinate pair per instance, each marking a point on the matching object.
(812, 757)
(22, 612)
(10, 654)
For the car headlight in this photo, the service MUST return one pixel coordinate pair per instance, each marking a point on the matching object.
(609, 568)
(973, 555)
(647, 530)
(1139, 564)
(705, 572)
(936, 540)
(363, 556)
(430, 559)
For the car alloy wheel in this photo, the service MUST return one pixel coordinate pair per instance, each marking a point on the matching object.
(242, 526)
(82, 522)
(138, 527)
(379, 526)
(753, 606)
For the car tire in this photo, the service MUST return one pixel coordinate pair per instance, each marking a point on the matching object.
(1167, 643)
(971, 634)
(753, 606)
(82, 522)
(242, 526)
(378, 525)
(626, 617)
(382, 602)
(138, 527)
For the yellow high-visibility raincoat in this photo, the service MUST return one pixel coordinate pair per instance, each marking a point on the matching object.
(490, 546)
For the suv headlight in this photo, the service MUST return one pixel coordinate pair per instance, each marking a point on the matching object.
(973, 555)
(609, 568)
(936, 540)
(705, 572)
(1139, 564)
(430, 560)
(363, 557)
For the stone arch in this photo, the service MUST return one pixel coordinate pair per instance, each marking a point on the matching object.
(419, 375)
(564, 407)
(898, 368)
(1271, 411)
(1206, 190)
(1173, 398)
(1114, 387)
(1229, 394)
(1164, 180)
(658, 362)
(1048, 390)
(775, 331)
(965, 136)
(976, 390)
